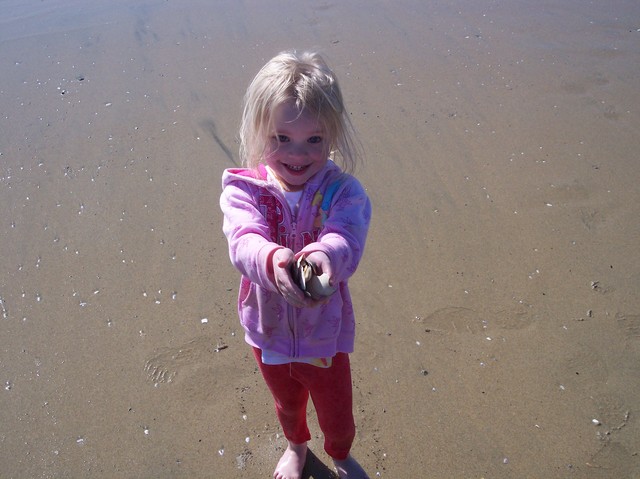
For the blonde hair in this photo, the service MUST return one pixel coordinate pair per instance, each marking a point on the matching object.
(305, 78)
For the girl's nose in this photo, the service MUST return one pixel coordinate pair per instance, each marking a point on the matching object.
(298, 151)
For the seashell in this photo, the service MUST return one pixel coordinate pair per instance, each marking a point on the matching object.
(318, 286)
(301, 272)
(315, 286)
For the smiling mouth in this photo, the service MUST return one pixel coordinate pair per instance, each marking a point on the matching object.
(296, 169)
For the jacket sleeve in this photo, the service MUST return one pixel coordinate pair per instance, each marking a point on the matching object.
(247, 232)
(345, 230)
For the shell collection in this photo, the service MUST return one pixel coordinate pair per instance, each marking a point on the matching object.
(312, 284)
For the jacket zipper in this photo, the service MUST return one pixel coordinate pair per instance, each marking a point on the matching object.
(293, 323)
(292, 328)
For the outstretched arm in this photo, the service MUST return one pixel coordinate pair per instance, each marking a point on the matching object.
(344, 232)
(250, 246)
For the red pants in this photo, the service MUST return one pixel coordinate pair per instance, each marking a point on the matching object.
(330, 389)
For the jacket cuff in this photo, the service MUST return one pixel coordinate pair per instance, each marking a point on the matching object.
(331, 252)
(265, 255)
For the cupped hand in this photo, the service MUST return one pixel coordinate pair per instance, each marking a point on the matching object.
(282, 260)
(321, 263)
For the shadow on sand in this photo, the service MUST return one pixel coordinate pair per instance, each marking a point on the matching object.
(314, 468)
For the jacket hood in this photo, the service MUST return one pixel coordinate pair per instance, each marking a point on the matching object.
(260, 177)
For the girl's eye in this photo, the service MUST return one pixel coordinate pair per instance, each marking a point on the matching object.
(282, 138)
(315, 139)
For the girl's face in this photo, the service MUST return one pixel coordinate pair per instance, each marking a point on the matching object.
(298, 148)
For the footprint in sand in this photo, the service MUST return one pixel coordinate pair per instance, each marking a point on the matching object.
(610, 112)
(591, 218)
(168, 362)
(582, 85)
(612, 460)
(592, 212)
(612, 412)
(587, 366)
(465, 320)
(630, 324)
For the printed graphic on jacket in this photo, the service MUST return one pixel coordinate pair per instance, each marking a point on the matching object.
(272, 210)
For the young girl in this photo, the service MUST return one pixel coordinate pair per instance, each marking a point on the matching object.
(293, 201)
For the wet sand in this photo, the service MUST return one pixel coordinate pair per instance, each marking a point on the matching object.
(498, 306)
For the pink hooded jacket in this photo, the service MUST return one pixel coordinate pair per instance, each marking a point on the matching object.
(258, 220)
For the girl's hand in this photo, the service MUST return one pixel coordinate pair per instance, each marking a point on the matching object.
(322, 265)
(321, 262)
(282, 260)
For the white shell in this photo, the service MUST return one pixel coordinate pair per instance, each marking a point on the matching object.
(318, 286)
(315, 286)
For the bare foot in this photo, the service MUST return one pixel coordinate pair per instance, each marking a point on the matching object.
(292, 462)
(350, 469)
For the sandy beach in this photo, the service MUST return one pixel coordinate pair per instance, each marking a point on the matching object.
(498, 302)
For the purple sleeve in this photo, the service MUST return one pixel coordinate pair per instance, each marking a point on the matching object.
(344, 232)
(247, 232)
